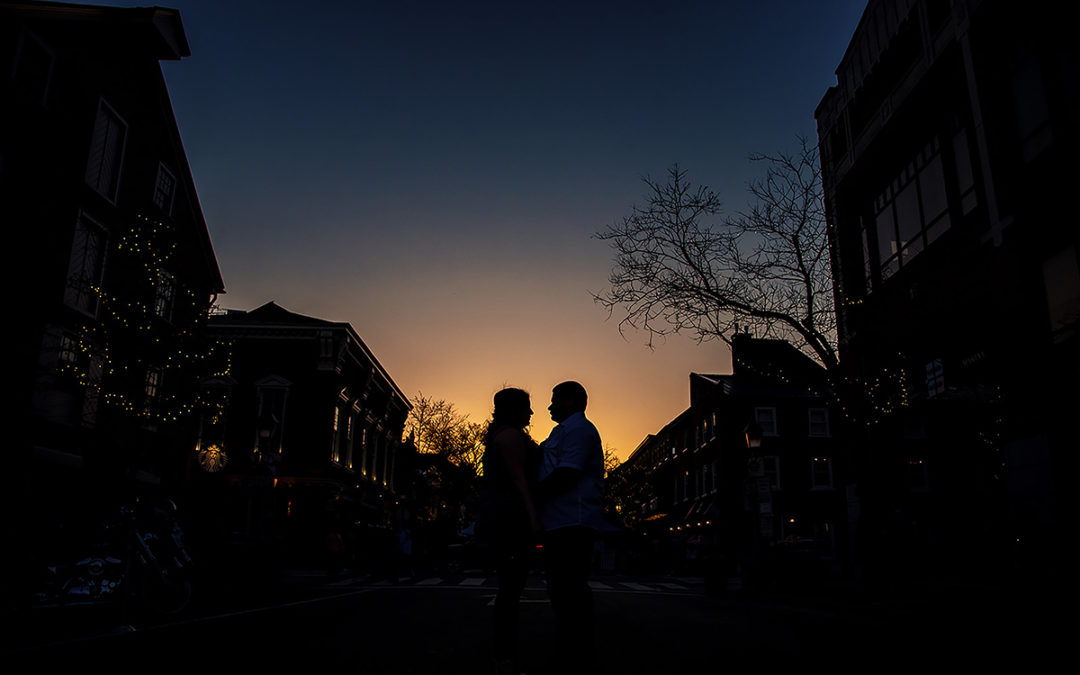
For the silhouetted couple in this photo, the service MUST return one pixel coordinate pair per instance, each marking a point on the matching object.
(549, 492)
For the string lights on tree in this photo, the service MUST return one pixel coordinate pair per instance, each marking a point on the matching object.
(145, 353)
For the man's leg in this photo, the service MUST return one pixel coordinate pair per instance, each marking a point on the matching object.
(568, 552)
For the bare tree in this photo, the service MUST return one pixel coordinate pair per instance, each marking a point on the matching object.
(439, 429)
(611, 459)
(681, 268)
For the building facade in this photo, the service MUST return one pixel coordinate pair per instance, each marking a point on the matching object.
(947, 151)
(749, 475)
(117, 271)
(309, 433)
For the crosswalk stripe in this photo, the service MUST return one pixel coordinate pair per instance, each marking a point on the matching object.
(675, 587)
(637, 587)
(432, 581)
(472, 581)
(599, 586)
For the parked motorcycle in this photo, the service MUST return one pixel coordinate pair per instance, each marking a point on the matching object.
(139, 560)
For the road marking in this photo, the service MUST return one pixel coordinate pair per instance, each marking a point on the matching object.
(524, 601)
(599, 586)
(675, 587)
(472, 581)
(636, 587)
(433, 581)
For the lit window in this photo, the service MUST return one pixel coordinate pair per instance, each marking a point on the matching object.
(363, 450)
(335, 451)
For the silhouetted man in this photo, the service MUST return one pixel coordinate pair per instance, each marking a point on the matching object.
(571, 478)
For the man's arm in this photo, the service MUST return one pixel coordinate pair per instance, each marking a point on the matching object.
(573, 455)
(560, 481)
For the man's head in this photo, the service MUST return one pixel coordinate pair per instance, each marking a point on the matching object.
(567, 398)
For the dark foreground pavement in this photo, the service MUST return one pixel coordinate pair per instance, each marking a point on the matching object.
(668, 625)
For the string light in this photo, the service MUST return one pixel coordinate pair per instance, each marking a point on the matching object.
(133, 336)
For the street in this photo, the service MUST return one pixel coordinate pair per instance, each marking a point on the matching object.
(441, 625)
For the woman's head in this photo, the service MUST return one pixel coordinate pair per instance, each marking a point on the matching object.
(512, 408)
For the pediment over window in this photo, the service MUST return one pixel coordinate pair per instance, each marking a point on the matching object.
(273, 381)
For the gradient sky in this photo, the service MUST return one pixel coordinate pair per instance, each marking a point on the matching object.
(432, 172)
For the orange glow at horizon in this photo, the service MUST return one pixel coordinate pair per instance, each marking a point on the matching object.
(475, 348)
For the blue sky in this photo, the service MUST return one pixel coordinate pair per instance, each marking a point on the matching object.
(432, 171)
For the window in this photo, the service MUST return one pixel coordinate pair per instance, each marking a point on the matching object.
(867, 255)
(273, 393)
(965, 172)
(152, 391)
(334, 450)
(912, 211)
(69, 351)
(935, 379)
(766, 419)
(164, 295)
(92, 390)
(715, 475)
(350, 421)
(363, 450)
(33, 67)
(819, 421)
(821, 477)
(1032, 113)
(918, 477)
(106, 152)
(770, 468)
(1061, 277)
(164, 189)
(86, 266)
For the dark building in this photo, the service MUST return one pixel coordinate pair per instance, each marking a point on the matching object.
(115, 265)
(750, 473)
(309, 434)
(948, 150)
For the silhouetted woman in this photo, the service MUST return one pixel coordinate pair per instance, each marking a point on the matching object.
(508, 515)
